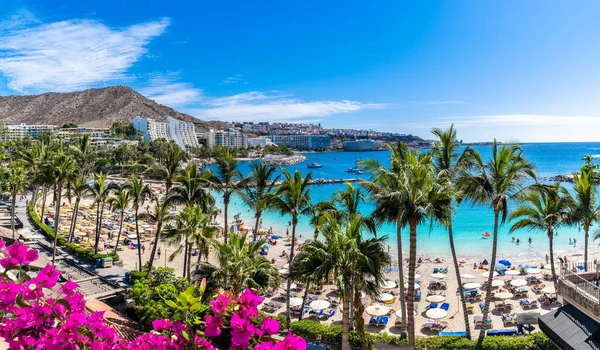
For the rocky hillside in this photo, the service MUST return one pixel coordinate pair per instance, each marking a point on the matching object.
(91, 108)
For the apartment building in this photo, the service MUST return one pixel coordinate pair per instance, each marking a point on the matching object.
(224, 138)
(20, 131)
(303, 142)
(183, 133)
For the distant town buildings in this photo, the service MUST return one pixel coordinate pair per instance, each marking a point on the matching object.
(362, 145)
(303, 142)
(259, 141)
(99, 137)
(21, 131)
(183, 133)
(224, 138)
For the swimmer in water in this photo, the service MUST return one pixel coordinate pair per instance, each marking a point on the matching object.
(518, 241)
(530, 240)
(513, 239)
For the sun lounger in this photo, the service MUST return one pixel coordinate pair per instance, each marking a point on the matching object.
(429, 325)
(440, 326)
(418, 295)
(373, 321)
(478, 322)
(330, 314)
(470, 308)
(501, 332)
(431, 306)
(383, 321)
(453, 334)
(508, 319)
(445, 306)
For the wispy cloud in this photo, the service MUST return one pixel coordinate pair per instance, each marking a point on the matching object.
(523, 120)
(167, 90)
(70, 55)
(234, 79)
(259, 106)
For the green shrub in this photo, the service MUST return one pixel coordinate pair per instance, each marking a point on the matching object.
(84, 253)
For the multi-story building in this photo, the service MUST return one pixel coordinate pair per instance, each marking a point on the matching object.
(303, 142)
(225, 138)
(361, 145)
(183, 133)
(99, 137)
(20, 131)
(259, 141)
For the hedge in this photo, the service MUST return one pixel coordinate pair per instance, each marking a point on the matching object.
(311, 329)
(84, 253)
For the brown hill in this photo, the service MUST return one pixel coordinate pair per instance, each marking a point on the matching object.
(90, 108)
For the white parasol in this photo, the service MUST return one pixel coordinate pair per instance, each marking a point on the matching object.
(388, 285)
(438, 275)
(385, 297)
(472, 285)
(436, 298)
(377, 310)
(497, 283)
(295, 301)
(504, 295)
(487, 274)
(468, 276)
(534, 271)
(283, 271)
(319, 304)
(513, 272)
(518, 283)
(436, 313)
(417, 286)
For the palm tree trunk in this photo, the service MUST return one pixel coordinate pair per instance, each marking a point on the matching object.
(346, 321)
(586, 229)
(150, 263)
(256, 226)
(12, 212)
(43, 204)
(96, 236)
(120, 230)
(137, 233)
(304, 301)
(189, 261)
(289, 280)
(225, 205)
(185, 255)
(488, 288)
(412, 266)
(401, 279)
(461, 290)
(551, 240)
(359, 309)
(56, 222)
(74, 220)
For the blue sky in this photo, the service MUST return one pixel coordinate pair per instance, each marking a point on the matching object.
(515, 70)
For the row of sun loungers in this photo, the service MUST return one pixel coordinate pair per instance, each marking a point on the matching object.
(379, 321)
(435, 326)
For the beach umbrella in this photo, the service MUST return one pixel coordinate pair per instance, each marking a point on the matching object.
(523, 266)
(513, 272)
(534, 271)
(504, 295)
(438, 275)
(286, 266)
(467, 276)
(436, 313)
(417, 275)
(547, 267)
(485, 262)
(500, 267)
(377, 310)
(388, 285)
(385, 297)
(266, 246)
(295, 301)
(368, 277)
(518, 283)
(497, 283)
(504, 262)
(319, 304)
(80, 234)
(283, 271)
(390, 269)
(472, 285)
(549, 290)
(487, 274)
(284, 286)
(436, 298)
(417, 286)
(132, 237)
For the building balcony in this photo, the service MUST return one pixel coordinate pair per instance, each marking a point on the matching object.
(582, 289)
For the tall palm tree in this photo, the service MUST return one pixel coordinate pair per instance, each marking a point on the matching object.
(77, 188)
(385, 186)
(169, 170)
(100, 190)
(424, 197)
(32, 159)
(585, 208)
(84, 152)
(316, 215)
(63, 169)
(448, 162)
(160, 215)
(189, 189)
(16, 179)
(119, 201)
(257, 189)
(139, 192)
(225, 179)
(292, 198)
(240, 266)
(495, 183)
(544, 208)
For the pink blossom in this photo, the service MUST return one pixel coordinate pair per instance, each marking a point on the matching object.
(248, 304)
(264, 346)
(213, 326)
(18, 255)
(269, 326)
(69, 287)
(47, 277)
(219, 305)
(203, 343)
(291, 342)
(242, 330)
(161, 324)
(2, 243)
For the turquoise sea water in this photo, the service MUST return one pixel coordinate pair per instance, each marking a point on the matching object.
(469, 222)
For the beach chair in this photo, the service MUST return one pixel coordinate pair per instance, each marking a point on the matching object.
(508, 319)
(478, 322)
(383, 321)
(418, 295)
(373, 321)
(431, 306)
(440, 326)
(330, 314)
(429, 325)
(445, 306)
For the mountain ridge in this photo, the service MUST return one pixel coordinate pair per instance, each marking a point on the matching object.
(94, 107)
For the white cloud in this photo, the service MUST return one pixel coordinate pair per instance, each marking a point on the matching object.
(167, 91)
(235, 79)
(525, 120)
(71, 55)
(258, 106)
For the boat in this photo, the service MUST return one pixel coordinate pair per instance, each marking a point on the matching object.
(485, 235)
(354, 170)
(314, 165)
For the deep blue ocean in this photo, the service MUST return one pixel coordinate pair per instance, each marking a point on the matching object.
(470, 222)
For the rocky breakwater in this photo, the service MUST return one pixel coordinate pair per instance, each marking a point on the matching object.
(279, 160)
(560, 178)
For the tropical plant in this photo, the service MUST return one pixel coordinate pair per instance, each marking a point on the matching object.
(544, 208)
(495, 183)
(16, 180)
(292, 198)
(139, 192)
(100, 190)
(77, 188)
(119, 201)
(256, 190)
(161, 214)
(448, 162)
(83, 151)
(169, 170)
(188, 188)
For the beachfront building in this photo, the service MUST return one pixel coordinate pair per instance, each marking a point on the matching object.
(99, 137)
(21, 131)
(183, 133)
(303, 142)
(224, 138)
(259, 141)
(361, 145)
(576, 324)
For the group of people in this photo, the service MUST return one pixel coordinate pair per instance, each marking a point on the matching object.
(518, 241)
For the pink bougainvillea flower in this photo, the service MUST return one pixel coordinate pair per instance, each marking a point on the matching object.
(9, 291)
(242, 330)
(291, 342)
(161, 324)
(213, 326)
(2, 243)
(219, 305)
(248, 304)
(269, 327)
(47, 277)
(18, 254)
(69, 287)
(203, 343)
(264, 346)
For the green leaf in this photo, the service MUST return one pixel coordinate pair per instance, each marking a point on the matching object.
(21, 302)
(171, 303)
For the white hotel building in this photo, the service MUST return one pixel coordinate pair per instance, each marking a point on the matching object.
(183, 133)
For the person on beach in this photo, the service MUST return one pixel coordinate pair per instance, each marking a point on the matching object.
(390, 248)
(570, 241)
(287, 232)
(547, 258)
(574, 242)
(143, 249)
(513, 239)
(158, 252)
(530, 240)
(518, 241)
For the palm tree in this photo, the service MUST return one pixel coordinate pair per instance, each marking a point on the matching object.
(385, 187)
(160, 215)
(225, 180)
(77, 188)
(585, 208)
(63, 168)
(139, 192)
(170, 169)
(189, 190)
(292, 198)
(16, 179)
(495, 183)
(100, 190)
(83, 151)
(32, 159)
(543, 209)
(448, 162)
(119, 201)
(256, 190)
(316, 215)
(240, 266)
